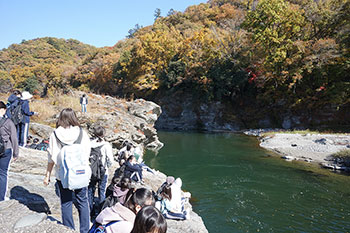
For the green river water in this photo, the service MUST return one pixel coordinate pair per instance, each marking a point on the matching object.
(238, 187)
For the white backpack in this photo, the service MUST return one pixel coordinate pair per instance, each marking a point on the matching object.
(74, 169)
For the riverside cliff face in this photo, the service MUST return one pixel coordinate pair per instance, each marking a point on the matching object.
(182, 112)
(39, 207)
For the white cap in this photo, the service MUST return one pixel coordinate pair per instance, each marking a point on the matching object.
(26, 95)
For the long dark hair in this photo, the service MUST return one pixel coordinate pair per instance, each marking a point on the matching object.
(166, 192)
(67, 118)
(3, 105)
(149, 220)
(140, 198)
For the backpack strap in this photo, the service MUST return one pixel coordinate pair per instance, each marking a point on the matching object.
(2, 121)
(112, 222)
(97, 227)
(78, 141)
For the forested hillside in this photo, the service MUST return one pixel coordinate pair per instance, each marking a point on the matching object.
(292, 54)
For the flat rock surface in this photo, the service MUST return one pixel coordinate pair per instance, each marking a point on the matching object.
(310, 147)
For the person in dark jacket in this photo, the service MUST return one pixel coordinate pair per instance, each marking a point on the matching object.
(9, 137)
(24, 126)
(13, 100)
(133, 170)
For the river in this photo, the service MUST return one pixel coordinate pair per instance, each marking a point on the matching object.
(237, 186)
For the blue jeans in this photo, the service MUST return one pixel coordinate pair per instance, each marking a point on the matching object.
(101, 192)
(83, 108)
(81, 198)
(5, 160)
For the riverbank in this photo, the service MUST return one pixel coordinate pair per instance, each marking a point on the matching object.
(308, 147)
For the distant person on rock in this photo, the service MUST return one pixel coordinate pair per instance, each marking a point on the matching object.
(149, 220)
(8, 148)
(84, 103)
(123, 217)
(24, 125)
(101, 158)
(67, 134)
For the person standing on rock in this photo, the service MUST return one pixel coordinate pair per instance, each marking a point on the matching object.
(68, 132)
(101, 154)
(83, 103)
(24, 125)
(8, 148)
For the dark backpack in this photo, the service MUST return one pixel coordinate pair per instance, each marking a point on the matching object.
(99, 228)
(97, 169)
(2, 143)
(16, 113)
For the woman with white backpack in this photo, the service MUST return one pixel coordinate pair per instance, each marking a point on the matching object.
(69, 151)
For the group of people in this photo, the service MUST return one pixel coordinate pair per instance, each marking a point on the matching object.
(123, 208)
(14, 125)
(19, 112)
(118, 207)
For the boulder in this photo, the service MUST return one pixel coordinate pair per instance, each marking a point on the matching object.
(42, 131)
(123, 120)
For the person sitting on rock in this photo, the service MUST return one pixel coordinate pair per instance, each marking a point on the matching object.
(149, 220)
(133, 170)
(168, 182)
(172, 205)
(34, 144)
(126, 151)
(125, 215)
(117, 192)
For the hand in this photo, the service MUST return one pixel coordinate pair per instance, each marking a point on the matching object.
(14, 159)
(46, 180)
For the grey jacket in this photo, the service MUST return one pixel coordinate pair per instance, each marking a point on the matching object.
(9, 136)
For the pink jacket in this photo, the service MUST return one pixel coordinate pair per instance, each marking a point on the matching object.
(117, 212)
(120, 194)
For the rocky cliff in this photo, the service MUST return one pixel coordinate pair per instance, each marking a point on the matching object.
(183, 112)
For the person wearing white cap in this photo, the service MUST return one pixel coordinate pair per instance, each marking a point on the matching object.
(24, 126)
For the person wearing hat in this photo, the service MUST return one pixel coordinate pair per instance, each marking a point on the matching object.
(24, 126)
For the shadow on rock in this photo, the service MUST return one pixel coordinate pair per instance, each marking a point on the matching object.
(33, 201)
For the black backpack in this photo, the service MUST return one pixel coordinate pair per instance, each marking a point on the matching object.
(16, 113)
(2, 143)
(97, 169)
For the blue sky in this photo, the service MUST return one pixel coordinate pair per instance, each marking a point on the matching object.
(96, 22)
